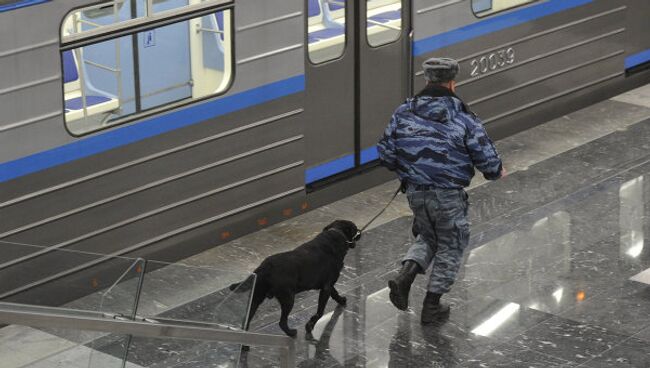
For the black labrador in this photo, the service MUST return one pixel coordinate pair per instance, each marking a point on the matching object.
(315, 265)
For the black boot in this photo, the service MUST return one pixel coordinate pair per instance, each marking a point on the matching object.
(432, 309)
(401, 285)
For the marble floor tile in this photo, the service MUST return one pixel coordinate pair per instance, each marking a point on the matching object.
(597, 120)
(594, 270)
(411, 344)
(484, 207)
(508, 355)
(475, 315)
(546, 294)
(569, 340)
(524, 186)
(615, 149)
(519, 252)
(644, 334)
(631, 353)
(518, 155)
(621, 308)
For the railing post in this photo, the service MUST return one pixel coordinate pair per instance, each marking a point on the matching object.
(136, 304)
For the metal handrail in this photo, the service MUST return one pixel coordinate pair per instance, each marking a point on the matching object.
(102, 66)
(388, 26)
(50, 317)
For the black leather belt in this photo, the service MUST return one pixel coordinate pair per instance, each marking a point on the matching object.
(424, 188)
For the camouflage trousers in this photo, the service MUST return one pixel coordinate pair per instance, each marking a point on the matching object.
(442, 234)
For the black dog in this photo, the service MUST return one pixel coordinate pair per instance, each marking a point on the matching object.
(315, 265)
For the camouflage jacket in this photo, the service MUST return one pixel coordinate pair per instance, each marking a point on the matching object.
(433, 139)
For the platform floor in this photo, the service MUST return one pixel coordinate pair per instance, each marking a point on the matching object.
(556, 275)
(546, 280)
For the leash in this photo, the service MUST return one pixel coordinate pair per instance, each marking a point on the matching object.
(380, 212)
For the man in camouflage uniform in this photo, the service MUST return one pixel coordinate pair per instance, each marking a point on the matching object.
(434, 142)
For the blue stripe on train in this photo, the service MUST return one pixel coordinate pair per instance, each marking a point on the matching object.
(20, 4)
(637, 59)
(493, 24)
(329, 168)
(339, 165)
(369, 154)
(149, 128)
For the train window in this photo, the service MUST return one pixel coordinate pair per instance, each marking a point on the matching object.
(325, 29)
(111, 81)
(383, 21)
(486, 7)
(94, 18)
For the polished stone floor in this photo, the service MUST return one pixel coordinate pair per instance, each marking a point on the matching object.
(546, 282)
(557, 274)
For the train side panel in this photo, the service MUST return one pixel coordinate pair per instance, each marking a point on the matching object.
(531, 63)
(240, 160)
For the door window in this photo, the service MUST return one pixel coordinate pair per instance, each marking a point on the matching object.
(384, 21)
(325, 29)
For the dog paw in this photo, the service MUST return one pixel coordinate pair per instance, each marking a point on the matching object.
(292, 332)
(342, 301)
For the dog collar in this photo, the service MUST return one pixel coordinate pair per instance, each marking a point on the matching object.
(342, 234)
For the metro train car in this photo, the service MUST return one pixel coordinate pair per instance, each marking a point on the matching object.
(161, 128)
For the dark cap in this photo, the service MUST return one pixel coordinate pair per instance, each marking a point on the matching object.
(440, 70)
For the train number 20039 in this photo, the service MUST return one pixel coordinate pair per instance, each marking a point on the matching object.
(493, 61)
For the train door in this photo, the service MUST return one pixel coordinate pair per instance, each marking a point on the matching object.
(384, 68)
(357, 72)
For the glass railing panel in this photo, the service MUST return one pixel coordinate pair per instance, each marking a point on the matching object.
(121, 298)
(59, 276)
(122, 288)
(118, 301)
(77, 281)
(176, 293)
(196, 294)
